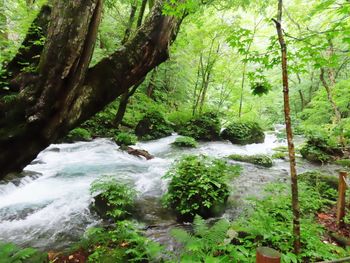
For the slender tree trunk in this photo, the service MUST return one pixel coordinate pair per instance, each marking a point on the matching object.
(151, 84)
(195, 101)
(130, 22)
(291, 150)
(124, 100)
(141, 13)
(302, 99)
(242, 90)
(64, 92)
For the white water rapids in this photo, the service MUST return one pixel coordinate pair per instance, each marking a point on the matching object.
(50, 208)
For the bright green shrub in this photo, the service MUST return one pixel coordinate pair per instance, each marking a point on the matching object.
(259, 159)
(112, 198)
(124, 138)
(204, 127)
(153, 126)
(198, 186)
(243, 133)
(79, 134)
(184, 141)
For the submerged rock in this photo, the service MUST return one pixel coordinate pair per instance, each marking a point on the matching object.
(259, 159)
(243, 133)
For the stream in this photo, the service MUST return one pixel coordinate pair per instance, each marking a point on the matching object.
(48, 208)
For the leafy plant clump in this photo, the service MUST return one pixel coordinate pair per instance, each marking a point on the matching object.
(125, 242)
(205, 127)
(259, 159)
(125, 138)
(78, 134)
(11, 253)
(185, 141)
(243, 133)
(198, 186)
(153, 126)
(112, 199)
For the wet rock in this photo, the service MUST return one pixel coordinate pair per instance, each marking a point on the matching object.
(137, 152)
(259, 159)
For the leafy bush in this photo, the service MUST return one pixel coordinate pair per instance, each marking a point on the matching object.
(205, 127)
(185, 142)
(153, 126)
(124, 138)
(78, 134)
(112, 199)
(124, 243)
(243, 133)
(10, 253)
(198, 186)
(259, 159)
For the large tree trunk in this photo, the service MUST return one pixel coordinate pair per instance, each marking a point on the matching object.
(65, 92)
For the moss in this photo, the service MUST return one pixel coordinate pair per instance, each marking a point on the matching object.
(343, 162)
(78, 134)
(124, 138)
(279, 155)
(184, 141)
(205, 127)
(260, 159)
(243, 133)
(314, 177)
(153, 126)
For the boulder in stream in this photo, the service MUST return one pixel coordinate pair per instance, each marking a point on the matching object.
(153, 126)
(243, 132)
(259, 159)
(137, 152)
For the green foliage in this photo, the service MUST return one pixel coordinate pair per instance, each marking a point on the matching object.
(153, 126)
(279, 155)
(184, 141)
(198, 186)
(125, 138)
(204, 127)
(343, 162)
(243, 132)
(112, 198)
(79, 134)
(10, 253)
(123, 243)
(259, 159)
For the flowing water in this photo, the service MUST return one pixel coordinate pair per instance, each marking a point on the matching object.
(49, 207)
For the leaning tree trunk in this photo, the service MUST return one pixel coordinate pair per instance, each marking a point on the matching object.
(64, 92)
(291, 150)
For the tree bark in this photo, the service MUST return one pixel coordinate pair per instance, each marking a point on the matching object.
(130, 22)
(65, 92)
(291, 150)
(151, 84)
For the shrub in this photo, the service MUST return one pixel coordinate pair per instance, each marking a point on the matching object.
(198, 186)
(112, 199)
(185, 142)
(11, 253)
(153, 126)
(259, 159)
(124, 138)
(243, 133)
(79, 134)
(204, 127)
(124, 243)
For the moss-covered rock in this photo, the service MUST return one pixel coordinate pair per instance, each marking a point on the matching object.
(319, 150)
(313, 178)
(243, 133)
(205, 127)
(343, 162)
(259, 159)
(153, 126)
(184, 141)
